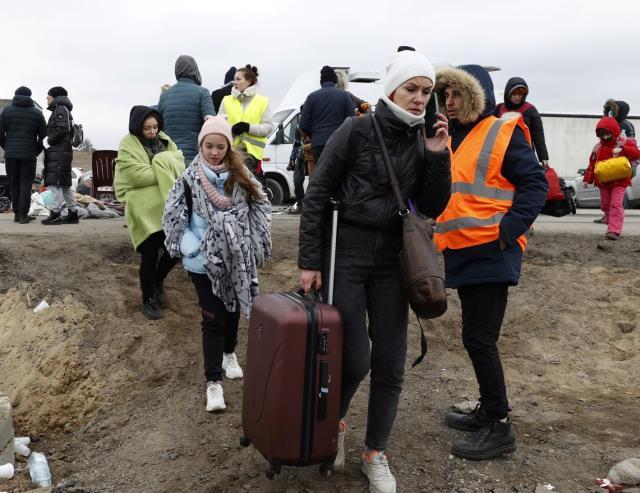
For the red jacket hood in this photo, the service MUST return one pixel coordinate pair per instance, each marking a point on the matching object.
(609, 124)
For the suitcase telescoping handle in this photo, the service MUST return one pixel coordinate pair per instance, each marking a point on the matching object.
(334, 238)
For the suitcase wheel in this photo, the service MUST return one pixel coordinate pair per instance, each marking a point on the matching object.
(273, 470)
(326, 468)
(244, 441)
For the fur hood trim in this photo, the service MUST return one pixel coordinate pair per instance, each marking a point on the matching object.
(473, 98)
(610, 106)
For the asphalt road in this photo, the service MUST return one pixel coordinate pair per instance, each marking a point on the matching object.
(581, 223)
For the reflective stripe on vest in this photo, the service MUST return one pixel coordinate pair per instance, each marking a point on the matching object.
(480, 195)
(252, 114)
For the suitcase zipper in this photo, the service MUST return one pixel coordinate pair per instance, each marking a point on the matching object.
(308, 405)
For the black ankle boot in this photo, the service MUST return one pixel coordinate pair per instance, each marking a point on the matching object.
(494, 440)
(472, 421)
(71, 218)
(53, 219)
(150, 310)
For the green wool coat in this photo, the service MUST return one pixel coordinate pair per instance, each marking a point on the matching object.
(144, 186)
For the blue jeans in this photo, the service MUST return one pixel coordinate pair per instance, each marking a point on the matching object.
(368, 288)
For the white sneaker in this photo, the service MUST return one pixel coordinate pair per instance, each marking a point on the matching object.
(339, 462)
(230, 366)
(215, 397)
(376, 468)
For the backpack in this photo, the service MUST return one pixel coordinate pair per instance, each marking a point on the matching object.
(76, 133)
(562, 207)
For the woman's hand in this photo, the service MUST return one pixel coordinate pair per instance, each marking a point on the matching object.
(438, 142)
(310, 277)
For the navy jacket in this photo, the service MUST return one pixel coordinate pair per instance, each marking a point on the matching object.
(485, 264)
(22, 129)
(324, 111)
(184, 107)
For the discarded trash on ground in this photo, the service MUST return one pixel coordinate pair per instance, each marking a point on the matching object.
(43, 305)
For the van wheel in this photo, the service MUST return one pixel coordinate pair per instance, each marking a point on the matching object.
(277, 194)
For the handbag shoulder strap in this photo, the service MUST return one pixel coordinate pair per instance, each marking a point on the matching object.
(395, 185)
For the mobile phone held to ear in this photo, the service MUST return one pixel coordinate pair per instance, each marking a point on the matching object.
(430, 117)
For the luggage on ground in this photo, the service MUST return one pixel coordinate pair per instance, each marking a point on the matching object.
(291, 401)
(561, 206)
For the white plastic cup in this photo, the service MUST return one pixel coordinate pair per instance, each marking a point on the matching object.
(43, 305)
(6, 471)
(23, 440)
(20, 448)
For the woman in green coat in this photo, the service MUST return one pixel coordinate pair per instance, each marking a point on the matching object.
(147, 166)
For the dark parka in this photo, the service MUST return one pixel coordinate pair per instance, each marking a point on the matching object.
(59, 155)
(22, 129)
(487, 263)
(184, 107)
(324, 111)
(530, 115)
(620, 111)
(351, 170)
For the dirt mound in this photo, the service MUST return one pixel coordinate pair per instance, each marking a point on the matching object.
(118, 401)
(52, 385)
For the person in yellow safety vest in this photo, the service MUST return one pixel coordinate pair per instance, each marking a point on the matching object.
(250, 118)
(497, 190)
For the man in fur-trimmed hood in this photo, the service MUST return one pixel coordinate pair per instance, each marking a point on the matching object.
(619, 110)
(498, 188)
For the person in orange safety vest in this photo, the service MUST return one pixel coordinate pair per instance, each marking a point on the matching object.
(497, 190)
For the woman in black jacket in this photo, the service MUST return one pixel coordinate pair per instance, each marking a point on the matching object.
(367, 273)
(58, 157)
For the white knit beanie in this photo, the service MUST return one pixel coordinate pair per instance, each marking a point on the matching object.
(404, 66)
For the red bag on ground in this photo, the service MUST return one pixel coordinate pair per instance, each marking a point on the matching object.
(555, 192)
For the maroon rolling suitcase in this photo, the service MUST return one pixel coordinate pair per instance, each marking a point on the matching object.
(291, 401)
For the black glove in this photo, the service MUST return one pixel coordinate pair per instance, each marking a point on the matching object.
(240, 128)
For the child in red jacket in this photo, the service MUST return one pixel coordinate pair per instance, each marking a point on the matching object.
(611, 193)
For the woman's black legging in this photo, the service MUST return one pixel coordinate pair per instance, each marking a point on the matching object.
(155, 264)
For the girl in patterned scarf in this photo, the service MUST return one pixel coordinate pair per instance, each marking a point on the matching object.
(218, 220)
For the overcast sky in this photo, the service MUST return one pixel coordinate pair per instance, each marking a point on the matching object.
(111, 55)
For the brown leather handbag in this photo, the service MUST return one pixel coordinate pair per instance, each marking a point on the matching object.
(422, 276)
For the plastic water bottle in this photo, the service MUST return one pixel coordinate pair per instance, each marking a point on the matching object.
(623, 137)
(39, 469)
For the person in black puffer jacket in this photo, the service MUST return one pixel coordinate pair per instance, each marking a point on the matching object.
(367, 269)
(22, 130)
(620, 111)
(58, 158)
(515, 95)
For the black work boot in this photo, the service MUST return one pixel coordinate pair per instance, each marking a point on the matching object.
(472, 421)
(24, 220)
(150, 310)
(54, 219)
(160, 295)
(71, 218)
(16, 218)
(494, 440)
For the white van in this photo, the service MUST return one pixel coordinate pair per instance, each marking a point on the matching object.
(365, 85)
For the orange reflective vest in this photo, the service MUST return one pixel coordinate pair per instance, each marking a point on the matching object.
(480, 195)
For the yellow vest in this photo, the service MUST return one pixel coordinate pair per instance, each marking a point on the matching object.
(480, 194)
(253, 144)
